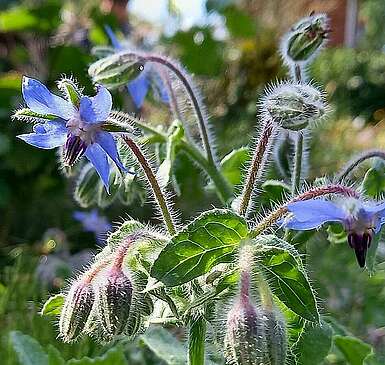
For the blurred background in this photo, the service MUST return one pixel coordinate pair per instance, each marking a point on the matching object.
(231, 47)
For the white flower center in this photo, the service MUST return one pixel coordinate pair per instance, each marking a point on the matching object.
(85, 131)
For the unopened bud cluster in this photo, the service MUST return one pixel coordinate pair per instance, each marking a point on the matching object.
(294, 106)
(254, 335)
(104, 301)
(305, 39)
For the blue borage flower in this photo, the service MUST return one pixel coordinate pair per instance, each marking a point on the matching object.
(93, 222)
(360, 220)
(76, 124)
(149, 77)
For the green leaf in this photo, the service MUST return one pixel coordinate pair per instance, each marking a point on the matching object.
(354, 350)
(28, 115)
(373, 184)
(71, 90)
(114, 356)
(228, 281)
(28, 350)
(314, 344)
(284, 271)
(54, 356)
(106, 199)
(274, 191)
(87, 185)
(164, 345)
(53, 306)
(232, 165)
(295, 324)
(210, 239)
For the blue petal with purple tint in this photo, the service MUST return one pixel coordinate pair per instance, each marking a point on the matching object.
(97, 108)
(40, 100)
(98, 157)
(107, 142)
(310, 214)
(138, 88)
(49, 135)
(114, 41)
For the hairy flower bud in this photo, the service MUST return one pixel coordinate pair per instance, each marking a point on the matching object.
(294, 106)
(244, 340)
(305, 39)
(116, 70)
(76, 310)
(275, 336)
(113, 297)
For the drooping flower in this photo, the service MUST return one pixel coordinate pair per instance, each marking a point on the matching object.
(77, 123)
(361, 220)
(149, 77)
(93, 222)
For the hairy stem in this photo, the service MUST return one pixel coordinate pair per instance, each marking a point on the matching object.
(156, 189)
(269, 220)
(196, 341)
(356, 161)
(203, 128)
(257, 165)
(297, 168)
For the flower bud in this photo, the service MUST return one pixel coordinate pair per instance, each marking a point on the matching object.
(294, 106)
(244, 339)
(76, 310)
(116, 70)
(275, 336)
(113, 298)
(305, 38)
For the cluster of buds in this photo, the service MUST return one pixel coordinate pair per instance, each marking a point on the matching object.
(294, 106)
(255, 334)
(305, 39)
(104, 301)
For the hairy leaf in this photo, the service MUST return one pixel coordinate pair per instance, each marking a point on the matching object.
(210, 239)
(165, 346)
(283, 269)
(314, 344)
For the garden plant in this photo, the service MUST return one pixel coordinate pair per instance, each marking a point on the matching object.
(232, 285)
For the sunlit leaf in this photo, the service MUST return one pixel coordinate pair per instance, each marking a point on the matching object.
(210, 239)
(53, 306)
(286, 275)
(232, 165)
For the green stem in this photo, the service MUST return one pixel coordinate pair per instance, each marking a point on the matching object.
(158, 193)
(356, 161)
(196, 341)
(223, 188)
(296, 178)
(195, 101)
